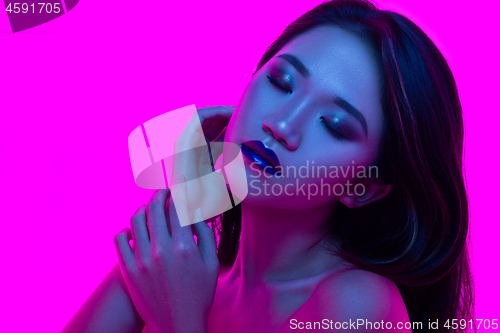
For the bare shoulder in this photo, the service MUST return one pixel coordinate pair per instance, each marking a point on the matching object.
(355, 294)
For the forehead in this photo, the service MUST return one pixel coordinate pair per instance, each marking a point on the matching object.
(340, 62)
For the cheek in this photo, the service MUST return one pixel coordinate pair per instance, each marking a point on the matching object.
(231, 129)
(337, 173)
(256, 99)
(341, 155)
(243, 115)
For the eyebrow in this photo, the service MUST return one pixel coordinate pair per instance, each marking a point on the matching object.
(340, 102)
(353, 111)
(299, 66)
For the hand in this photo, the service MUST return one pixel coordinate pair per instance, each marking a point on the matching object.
(207, 189)
(170, 278)
(214, 120)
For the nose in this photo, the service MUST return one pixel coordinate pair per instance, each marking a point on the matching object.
(287, 125)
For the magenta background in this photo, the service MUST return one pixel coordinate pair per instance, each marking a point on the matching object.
(73, 89)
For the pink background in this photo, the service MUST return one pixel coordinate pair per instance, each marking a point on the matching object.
(74, 88)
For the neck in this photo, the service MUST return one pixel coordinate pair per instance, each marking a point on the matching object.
(282, 244)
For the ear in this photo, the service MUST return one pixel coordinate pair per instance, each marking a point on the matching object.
(372, 193)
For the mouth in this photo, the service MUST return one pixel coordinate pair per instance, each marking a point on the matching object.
(257, 152)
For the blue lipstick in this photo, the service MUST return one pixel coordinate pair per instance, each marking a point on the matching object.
(262, 156)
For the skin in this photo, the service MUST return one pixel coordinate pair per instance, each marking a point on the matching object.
(282, 271)
(275, 238)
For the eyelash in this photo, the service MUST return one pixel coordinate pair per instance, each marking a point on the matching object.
(335, 133)
(331, 130)
(278, 85)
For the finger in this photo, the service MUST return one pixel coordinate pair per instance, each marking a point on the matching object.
(157, 220)
(180, 220)
(123, 249)
(139, 230)
(221, 135)
(219, 112)
(214, 119)
(206, 242)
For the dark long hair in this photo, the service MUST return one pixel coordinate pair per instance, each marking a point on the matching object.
(417, 236)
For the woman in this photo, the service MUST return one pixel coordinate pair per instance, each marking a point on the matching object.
(345, 85)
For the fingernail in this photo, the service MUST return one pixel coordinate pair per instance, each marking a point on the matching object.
(179, 178)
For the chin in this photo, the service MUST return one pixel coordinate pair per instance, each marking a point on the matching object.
(283, 201)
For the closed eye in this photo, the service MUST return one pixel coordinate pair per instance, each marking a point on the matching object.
(278, 85)
(334, 132)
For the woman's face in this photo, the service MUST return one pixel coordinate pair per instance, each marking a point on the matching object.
(316, 103)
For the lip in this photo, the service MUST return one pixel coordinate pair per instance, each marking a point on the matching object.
(266, 153)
